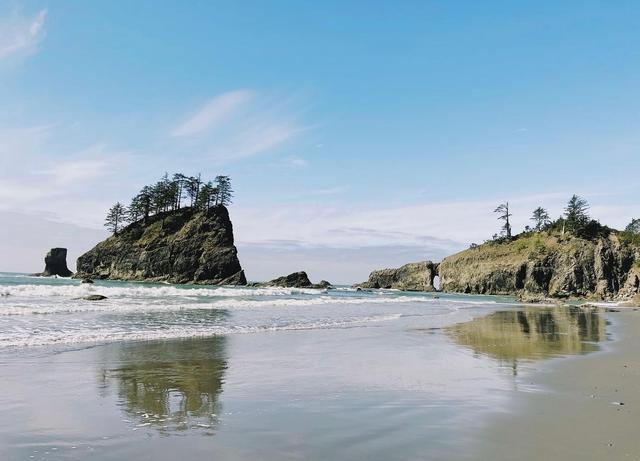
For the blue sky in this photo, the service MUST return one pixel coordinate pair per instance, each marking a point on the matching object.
(357, 134)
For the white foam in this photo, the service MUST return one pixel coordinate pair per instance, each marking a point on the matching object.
(103, 335)
(131, 305)
(147, 292)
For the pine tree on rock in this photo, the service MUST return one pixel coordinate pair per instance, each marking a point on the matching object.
(116, 218)
(504, 215)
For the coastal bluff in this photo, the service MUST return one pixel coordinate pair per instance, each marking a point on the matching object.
(545, 264)
(178, 246)
(532, 266)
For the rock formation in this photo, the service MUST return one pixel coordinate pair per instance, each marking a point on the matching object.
(180, 246)
(55, 263)
(410, 277)
(296, 280)
(546, 265)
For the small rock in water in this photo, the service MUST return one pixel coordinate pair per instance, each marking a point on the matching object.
(617, 403)
(94, 298)
(87, 281)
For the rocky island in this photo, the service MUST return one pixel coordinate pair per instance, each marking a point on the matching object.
(178, 246)
(167, 240)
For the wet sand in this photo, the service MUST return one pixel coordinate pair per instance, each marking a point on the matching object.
(514, 383)
(574, 411)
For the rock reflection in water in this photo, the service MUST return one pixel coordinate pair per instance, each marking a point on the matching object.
(531, 333)
(171, 385)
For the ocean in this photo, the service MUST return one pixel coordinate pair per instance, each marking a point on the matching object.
(160, 372)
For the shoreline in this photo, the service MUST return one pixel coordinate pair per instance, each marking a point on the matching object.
(583, 407)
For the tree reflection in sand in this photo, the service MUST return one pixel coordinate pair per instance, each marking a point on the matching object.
(531, 333)
(170, 385)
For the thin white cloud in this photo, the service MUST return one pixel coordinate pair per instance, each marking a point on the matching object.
(213, 113)
(91, 163)
(296, 162)
(254, 140)
(432, 225)
(239, 124)
(19, 34)
(77, 170)
(330, 190)
(37, 174)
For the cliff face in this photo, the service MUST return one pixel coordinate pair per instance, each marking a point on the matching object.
(410, 277)
(181, 246)
(547, 265)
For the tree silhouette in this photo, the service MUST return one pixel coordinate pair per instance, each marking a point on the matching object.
(167, 194)
(504, 215)
(541, 218)
(576, 217)
(225, 193)
(116, 217)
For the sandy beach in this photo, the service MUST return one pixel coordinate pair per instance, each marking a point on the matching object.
(159, 372)
(580, 408)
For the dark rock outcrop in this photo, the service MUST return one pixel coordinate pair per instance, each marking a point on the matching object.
(295, 280)
(410, 277)
(546, 265)
(180, 246)
(55, 263)
(94, 298)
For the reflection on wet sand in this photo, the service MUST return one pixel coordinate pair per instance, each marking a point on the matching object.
(531, 333)
(170, 385)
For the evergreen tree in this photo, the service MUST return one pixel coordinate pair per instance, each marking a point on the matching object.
(144, 202)
(193, 188)
(163, 195)
(205, 197)
(225, 192)
(135, 210)
(576, 217)
(634, 226)
(215, 195)
(167, 194)
(504, 215)
(116, 218)
(541, 218)
(180, 182)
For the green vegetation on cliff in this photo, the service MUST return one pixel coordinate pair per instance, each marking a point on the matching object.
(170, 194)
(546, 263)
(184, 245)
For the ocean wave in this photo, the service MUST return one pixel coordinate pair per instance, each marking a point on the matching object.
(104, 335)
(140, 291)
(132, 305)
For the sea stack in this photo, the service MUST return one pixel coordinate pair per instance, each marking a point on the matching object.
(55, 263)
(178, 246)
(418, 276)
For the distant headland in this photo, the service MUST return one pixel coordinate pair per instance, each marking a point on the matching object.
(572, 256)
